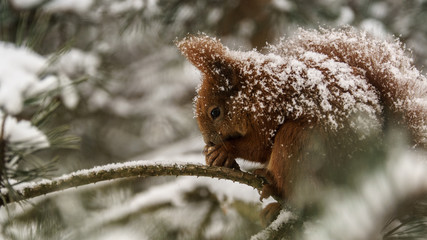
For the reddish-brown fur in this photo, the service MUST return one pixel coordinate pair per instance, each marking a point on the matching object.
(255, 118)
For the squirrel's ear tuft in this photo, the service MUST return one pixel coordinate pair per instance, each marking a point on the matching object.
(201, 50)
(209, 56)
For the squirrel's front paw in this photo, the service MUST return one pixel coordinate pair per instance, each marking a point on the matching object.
(217, 156)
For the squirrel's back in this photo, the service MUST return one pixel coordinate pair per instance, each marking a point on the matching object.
(386, 65)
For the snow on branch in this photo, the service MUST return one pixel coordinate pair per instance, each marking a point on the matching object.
(283, 227)
(140, 168)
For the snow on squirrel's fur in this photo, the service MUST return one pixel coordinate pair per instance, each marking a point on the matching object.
(386, 64)
(336, 78)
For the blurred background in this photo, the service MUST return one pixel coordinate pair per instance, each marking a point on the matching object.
(133, 96)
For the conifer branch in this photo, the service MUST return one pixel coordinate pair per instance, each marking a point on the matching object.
(127, 170)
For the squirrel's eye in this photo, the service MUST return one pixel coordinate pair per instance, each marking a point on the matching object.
(215, 113)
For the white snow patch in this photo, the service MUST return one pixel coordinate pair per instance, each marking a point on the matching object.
(346, 16)
(78, 6)
(19, 69)
(22, 4)
(374, 27)
(283, 218)
(126, 6)
(283, 5)
(69, 95)
(121, 233)
(77, 61)
(22, 134)
(379, 10)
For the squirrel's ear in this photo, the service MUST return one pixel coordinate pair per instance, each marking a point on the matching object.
(209, 56)
(202, 51)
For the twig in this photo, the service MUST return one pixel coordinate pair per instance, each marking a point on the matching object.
(128, 170)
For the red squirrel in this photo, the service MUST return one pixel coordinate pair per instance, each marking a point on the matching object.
(319, 91)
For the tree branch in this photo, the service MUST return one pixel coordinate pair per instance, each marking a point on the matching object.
(127, 170)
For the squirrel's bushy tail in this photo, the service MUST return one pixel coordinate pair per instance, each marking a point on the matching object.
(402, 88)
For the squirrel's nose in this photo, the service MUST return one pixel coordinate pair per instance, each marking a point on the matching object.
(208, 141)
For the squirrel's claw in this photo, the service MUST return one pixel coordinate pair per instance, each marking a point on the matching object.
(217, 156)
(220, 160)
(208, 149)
(211, 158)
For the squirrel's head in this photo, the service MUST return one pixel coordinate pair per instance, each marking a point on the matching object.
(217, 118)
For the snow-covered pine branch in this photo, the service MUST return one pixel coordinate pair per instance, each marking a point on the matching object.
(131, 169)
(31, 86)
